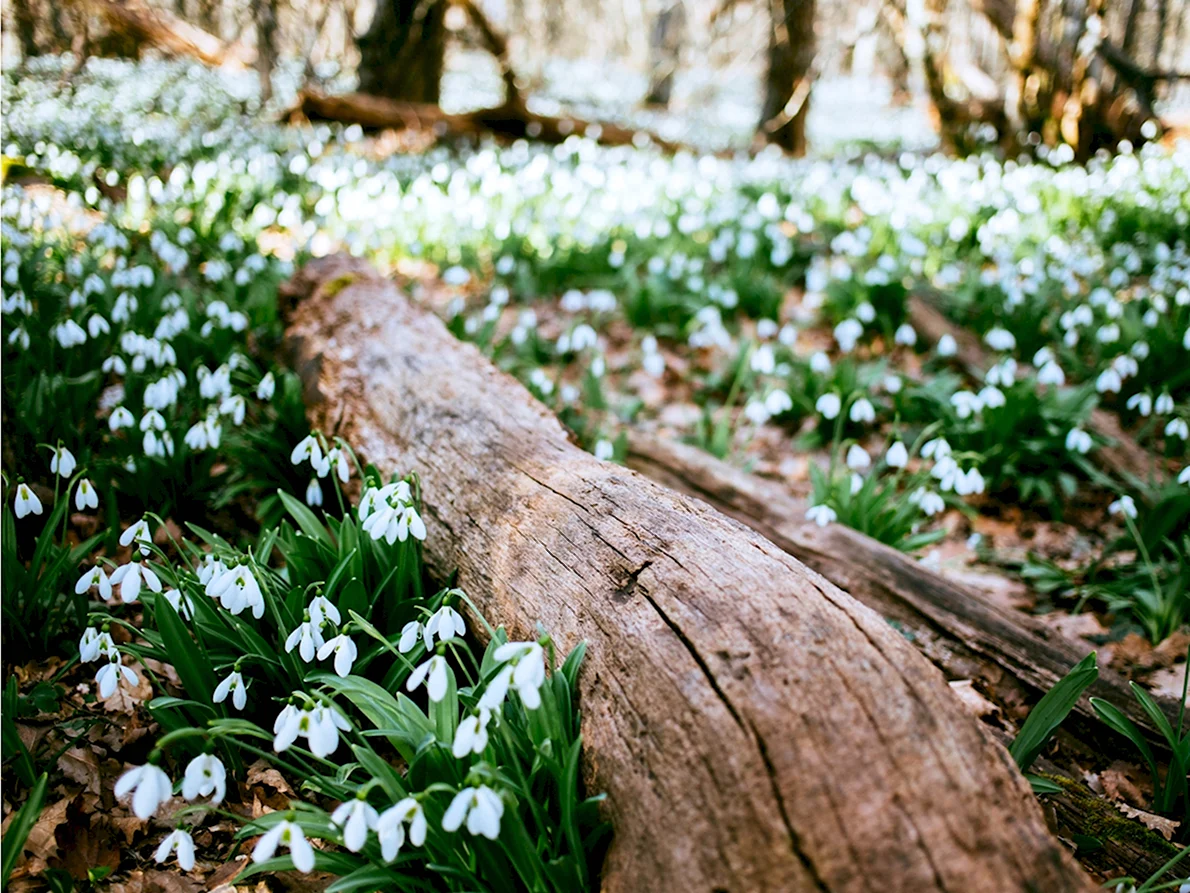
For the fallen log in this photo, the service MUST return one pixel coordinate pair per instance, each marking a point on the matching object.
(161, 29)
(1013, 656)
(755, 728)
(510, 121)
(1121, 454)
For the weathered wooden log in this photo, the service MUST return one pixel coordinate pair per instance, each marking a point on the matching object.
(1121, 454)
(159, 28)
(755, 728)
(1014, 657)
(511, 121)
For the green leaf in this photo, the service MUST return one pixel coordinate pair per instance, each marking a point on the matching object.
(401, 721)
(22, 824)
(1043, 785)
(1054, 707)
(306, 519)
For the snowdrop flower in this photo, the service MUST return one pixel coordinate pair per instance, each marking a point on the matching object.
(525, 671)
(150, 788)
(905, 335)
(325, 724)
(820, 363)
(307, 638)
(966, 404)
(267, 387)
(1125, 506)
(322, 610)
(472, 733)
(314, 493)
(110, 674)
(1109, 380)
(857, 457)
(180, 602)
(389, 513)
(930, 502)
(130, 577)
(433, 673)
(822, 515)
(968, 482)
(862, 411)
(390, 828)
(847, 334)
(936, 449)
(947, 346)
(1051, 374)
(828, 406)
(897, 456)
(1184, 475)
(604, 451)
(205, 777)
(355, 818)
(233, 685)
(481, 807)
(336, 458)
(234, 406)
(94, 577)
(344, 651)
(120, 418)
(1142, 403)
(999, 338)
(865, 312)
(95, 644)
(992, 397)
(237, 589)
(307, 448)
(70, 334)
(138, 532)
(1178, 428)
(893, 384)
(410, 633)
(288, 834)
(182, 842)
(1003, 374)
(62, 463)
(85, 496)
(763, 360)
(1163, 404)
(1078, 441)
(446, 623)
(777, 402)
(26, 501)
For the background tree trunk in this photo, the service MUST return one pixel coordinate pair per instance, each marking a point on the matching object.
(665, 52)
(755, 728)
(266, 30)
(404, 49)
(790, 74)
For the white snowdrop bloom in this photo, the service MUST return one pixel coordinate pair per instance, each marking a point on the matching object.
(232, 685)
(180, 602)
(390, 514)
(905, 335)
(322, 610)
(788, 335)
(763, 360)
(472, 733)
(936, 449)
(445, 623)
(182, 842)
(766, 328)
(62, 462)
(482, 809)
(208, 569)
(20, 338)
(777, 402)
(1003, 374)
(140, 534)
(1177, 428)
(930, 502)
(236, 590)
(70, 334)
(653, 363)
(1051, 374)
(150, 788)
(111, 673)
(857, 457)
(1141, 403)
(1109, 380)
(966, 404)
(1044, 355)
(1163, 404)
(1125, 365)
(992, 397)
(288, 834)
(755, 411)
(820, 363)
(130, 577)
(390, 828)
(325, 725)
(604, 451)
(97, 326)
(344, 651)
(893, 384)
(307, 449)
(234, 406)
(582, 337)
(307, 639)
(525, 672)
(969, 482)
(120, 418)
(26, 501)
(1184, 475)
(1078, 441)
(205, 777)
(152, 421)
(1108, 334)
(828, 406)
(355, 818)
(856, 483)
(410, 634)
(865, 312)
(897, 455)
(434, 673)
(336, 458)
(822, 515)
(95, 644)
(862, 411)
(197, 437)
(94, 577)
(85, 496)
(1125, 506)
(267, 387)
(847, 334)
(314, 493)
(947, 346)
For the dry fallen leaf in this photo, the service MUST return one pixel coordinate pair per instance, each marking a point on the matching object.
(81, 765)
(41, 843)
(973, 702)
(1163, 826)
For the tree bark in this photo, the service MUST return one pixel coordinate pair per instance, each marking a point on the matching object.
(26, 23)
(162, 29)
(790, 74)
(266, 29)
(404, 49)
(754, 727)
(1013, 657)
(665, 51)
